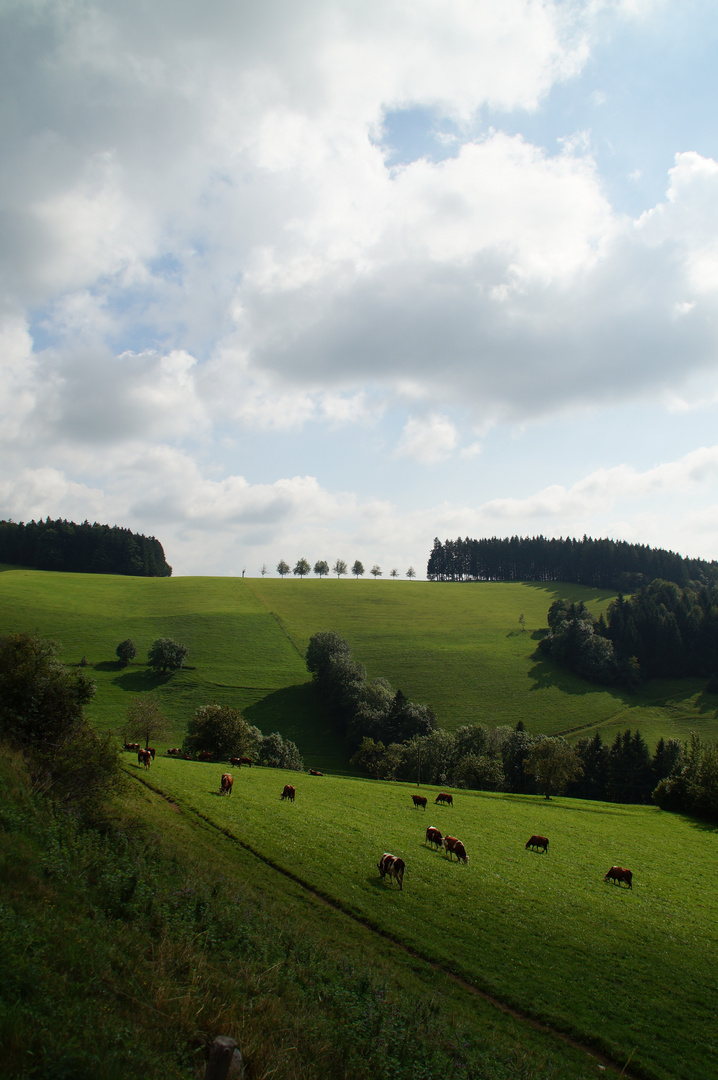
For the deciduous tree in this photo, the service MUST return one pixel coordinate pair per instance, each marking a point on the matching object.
(166, 655)
(411, 572)
(339, 568)
(357, 569)
(126, 651)
(301, 568)
(375, 571)
(554, 764)
(146, 722)
(222, 731)
(321, 568)
(283, 568)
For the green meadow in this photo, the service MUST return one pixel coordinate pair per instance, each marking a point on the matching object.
(629, 972)
(458, 647)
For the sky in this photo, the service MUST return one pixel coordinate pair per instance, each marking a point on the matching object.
(329, 280)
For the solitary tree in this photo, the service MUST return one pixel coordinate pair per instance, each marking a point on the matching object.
(522, 622)
(394, 572)
(301, 568)
(357, 569)
(145, 719)
(321, 568)
(375, 571)
(339, 568)
(264, 570)
(282, 568)
(411, 572)
(126, 651)
(221, 730)
(554, 764)
(166, 655)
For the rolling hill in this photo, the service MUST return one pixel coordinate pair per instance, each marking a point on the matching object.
(459, 648)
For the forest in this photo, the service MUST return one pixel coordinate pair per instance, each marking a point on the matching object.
(81, 549)
(604, 564)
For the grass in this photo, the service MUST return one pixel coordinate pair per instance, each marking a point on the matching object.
(625, 970)
(124, 952)
(458, 647)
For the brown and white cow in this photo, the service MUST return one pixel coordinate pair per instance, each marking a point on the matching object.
(174, 751)
(226, 784)
(393, 866)
(433, 836)
(419, 800)
(205, 755)
(151, 750)
(236, 761)
(452, 847)
(289, 792)
(444, 797)
(132, 746)
(315, 772)
(537, 842)
(617, 874)
(144, 757)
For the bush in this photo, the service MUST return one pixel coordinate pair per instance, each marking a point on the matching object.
(166, 655)
(126, 651)
(222, 731)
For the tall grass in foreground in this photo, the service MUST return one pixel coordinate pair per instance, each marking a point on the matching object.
(124, 950)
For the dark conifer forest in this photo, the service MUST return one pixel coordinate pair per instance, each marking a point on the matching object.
(81, 549)
(603, 564)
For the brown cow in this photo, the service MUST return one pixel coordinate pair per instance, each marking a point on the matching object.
(237, 761)
(226, 784)
(393, 866)
(617, 874)
(144, 757)
(433, 836)
(537, 842)
(174, 751)
(151, 750)
(315, 772)
(132, 746)
(246, 761)
(205, 755)
(452, 846)
(289, 792)
(444, 797)
(419, 800)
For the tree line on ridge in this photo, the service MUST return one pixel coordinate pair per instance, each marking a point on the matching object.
(605, 564)
(81, 548)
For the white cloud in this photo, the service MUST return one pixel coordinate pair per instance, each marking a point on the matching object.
(428, 439)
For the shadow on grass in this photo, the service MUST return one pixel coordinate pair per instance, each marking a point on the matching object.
(139, 682)
(108, 665)
(298, 714)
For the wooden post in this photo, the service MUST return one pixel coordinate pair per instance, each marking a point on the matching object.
(223, 1054)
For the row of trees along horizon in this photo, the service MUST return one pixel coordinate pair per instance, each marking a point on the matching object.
(321, 568)
(392, 738)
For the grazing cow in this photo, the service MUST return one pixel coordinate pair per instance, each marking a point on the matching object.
(537, 842)
(205, 755)
(289, 792)
(617, 874)
(433, 836)
(443, 797)
(144, 757)
(452, 847)
(151, 750)
(226, 784)
(237, 761)
(315, 772)
(132, 746)
(419, 800)
(246, 761)
(393, 866)
(174, 751)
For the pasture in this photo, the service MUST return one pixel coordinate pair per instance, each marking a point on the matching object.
(627, 971)
(458, 647)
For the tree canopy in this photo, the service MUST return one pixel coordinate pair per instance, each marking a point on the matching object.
(166, 655)
(82, 549)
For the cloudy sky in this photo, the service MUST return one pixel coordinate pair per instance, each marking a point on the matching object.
(332, 278)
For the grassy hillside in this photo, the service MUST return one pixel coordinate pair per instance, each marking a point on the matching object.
(124, 952)
(458, 647)
(628, 971)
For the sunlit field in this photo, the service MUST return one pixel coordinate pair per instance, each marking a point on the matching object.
(630, 971)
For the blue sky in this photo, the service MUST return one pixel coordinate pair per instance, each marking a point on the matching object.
(329, 280)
